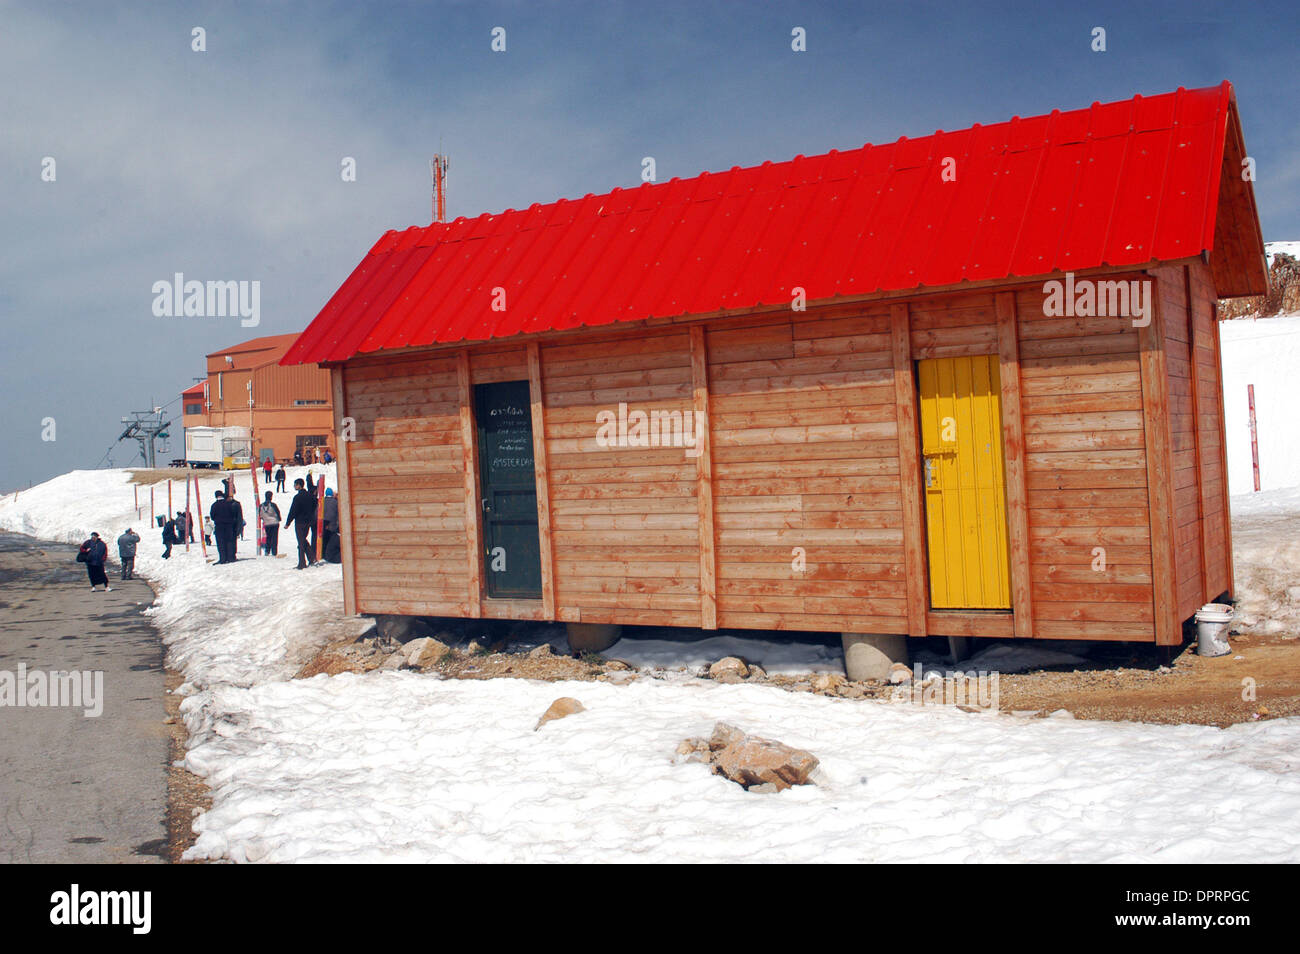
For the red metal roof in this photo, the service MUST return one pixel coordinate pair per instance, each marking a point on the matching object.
(1116, 184)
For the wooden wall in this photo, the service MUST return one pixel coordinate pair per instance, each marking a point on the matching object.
(405, 489)
(1086, 473)
(810, 440)
(1202, 533)
(624, 525)
(805, 467)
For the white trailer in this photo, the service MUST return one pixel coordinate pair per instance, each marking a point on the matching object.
(217, 447)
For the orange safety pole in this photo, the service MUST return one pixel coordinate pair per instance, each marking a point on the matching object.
(169, 498)
(257, 508)
(153, 510)
(202, 540)
(320, 517)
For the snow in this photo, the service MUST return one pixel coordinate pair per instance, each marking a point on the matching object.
(1266, 558)
(1287, 248)
(1264, 352)
(398, 766)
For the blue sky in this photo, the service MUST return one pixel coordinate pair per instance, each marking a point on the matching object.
(225, 164)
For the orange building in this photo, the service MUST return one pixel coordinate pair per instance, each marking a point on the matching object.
(288, 408)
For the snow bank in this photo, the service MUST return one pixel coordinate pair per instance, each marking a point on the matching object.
(1264, 352)
(254, 620)
(1266, 561)
(401, 767)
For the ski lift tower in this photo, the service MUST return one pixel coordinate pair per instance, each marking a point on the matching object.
(145, 427)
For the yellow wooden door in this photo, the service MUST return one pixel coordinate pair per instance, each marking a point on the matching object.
(965, 482)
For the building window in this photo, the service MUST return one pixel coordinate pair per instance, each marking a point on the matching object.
(193, 408)
(299, 402)
(311, 440)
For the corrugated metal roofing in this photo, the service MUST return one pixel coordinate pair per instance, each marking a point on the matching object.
(1120, 183)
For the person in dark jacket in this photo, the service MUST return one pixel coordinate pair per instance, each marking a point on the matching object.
(126, 545)
(302, 514)
(279, 479)
(169, 538)
(330, 518)
(93, 553)
(334, 549)
(270, 514)
(223, 528)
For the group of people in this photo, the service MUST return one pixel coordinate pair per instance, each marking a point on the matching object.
(225, 522)
(228, 520)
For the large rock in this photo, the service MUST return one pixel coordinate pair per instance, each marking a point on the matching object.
(757, 761)
(592, 637)
(559, 709)
(425, 652)
(729, 669)
(403, 629)
(748, 760)
(871, 656)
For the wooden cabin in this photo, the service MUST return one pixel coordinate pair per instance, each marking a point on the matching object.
(890, 390)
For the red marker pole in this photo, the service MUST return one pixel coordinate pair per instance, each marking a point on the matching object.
(1254, 434)
(199, 503)
(257, 508)
(320, 516)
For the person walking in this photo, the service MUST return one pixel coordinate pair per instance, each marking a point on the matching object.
(330, 518)
(271, 525)
(223, 527)
(93, 553)
(279, 479)
(266, 470)
(126, 544)
(207, 531)
(302, 514)
(169, 538)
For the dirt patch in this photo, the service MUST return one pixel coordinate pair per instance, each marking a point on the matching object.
(186, 792)
(159, 474)
(1190, 689)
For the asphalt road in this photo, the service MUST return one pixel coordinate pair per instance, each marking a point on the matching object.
(72, 788)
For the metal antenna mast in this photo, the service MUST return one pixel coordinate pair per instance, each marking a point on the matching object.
(438, 169)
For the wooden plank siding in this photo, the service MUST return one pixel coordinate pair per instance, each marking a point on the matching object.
(1085, 465)
(803, 508)
(406, 482)
(807, 498)
(624, 519)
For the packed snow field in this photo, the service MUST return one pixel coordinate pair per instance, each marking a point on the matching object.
(399, 766)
